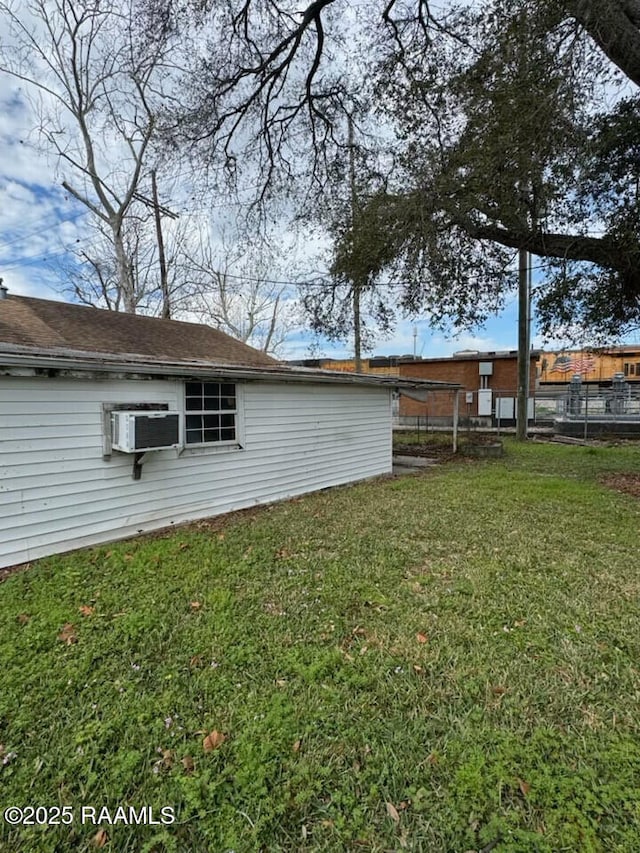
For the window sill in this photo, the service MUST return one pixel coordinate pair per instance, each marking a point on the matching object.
(209, 449)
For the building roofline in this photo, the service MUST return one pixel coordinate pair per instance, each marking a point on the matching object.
(608, 349)
(71, 362)
(469, 356)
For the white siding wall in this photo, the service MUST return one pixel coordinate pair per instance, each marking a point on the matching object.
(57, 492)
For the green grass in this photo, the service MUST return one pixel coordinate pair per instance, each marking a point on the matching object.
(439, 662)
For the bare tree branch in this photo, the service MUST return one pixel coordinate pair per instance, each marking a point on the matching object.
(97, 91)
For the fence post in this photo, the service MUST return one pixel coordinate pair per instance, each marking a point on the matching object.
(498, 415)
(586, 411)
(456, 406)
(534, 408)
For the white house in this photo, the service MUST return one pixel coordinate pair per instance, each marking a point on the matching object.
(241, 428)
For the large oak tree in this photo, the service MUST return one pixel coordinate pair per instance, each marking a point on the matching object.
(507, 139)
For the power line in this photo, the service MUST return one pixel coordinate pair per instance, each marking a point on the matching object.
(35, 259)
(308, 279)
(43, 224)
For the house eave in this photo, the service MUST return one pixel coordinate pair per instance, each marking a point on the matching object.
(73, 364)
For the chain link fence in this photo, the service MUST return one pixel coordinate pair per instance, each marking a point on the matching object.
(577, 410)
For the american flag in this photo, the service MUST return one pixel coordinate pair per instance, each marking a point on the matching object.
(581, 363)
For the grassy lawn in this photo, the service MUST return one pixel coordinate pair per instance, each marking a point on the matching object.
(443, 662)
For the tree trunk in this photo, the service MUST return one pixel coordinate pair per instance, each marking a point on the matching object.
(125, 280)
(357, 336)
(523, 345)
(613, 25)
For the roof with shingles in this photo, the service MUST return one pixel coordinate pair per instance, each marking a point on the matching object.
(59, 336)
(43, 324)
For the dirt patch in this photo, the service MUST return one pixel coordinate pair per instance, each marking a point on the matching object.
(12, 570)
(441, 452)
(629, 484)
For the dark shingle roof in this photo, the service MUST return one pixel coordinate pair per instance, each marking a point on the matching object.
(42, 324)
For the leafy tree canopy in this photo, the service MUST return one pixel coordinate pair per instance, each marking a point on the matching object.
(515, 123)
(509, 141)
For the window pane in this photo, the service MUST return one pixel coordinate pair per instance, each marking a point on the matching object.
(210, 400)
(211, 421)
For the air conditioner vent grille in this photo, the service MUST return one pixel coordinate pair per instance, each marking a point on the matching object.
(156, 432)
(138, 431)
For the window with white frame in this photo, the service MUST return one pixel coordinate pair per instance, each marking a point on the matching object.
(210, 412)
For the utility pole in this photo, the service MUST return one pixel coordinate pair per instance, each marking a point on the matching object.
(524, 356)
(159, 209)
(164, 284)
(357, 340)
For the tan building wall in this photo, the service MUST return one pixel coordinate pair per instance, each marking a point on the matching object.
(381, 366)
(348, 365)
(592, 365)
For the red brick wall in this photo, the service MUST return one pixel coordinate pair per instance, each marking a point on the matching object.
(466, 373)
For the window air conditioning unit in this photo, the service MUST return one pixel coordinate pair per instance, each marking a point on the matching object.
(136, 432)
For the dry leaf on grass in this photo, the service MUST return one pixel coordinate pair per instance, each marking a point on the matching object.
(167, 756)
(67, 634)
(23, 618)
(86, 610)
(525, 787)
(100, 838)
(188, 764)
(422, 638)
(213, 740)
(392, 811)
(283, 554)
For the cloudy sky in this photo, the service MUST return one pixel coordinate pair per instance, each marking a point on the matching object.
(41, 224)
